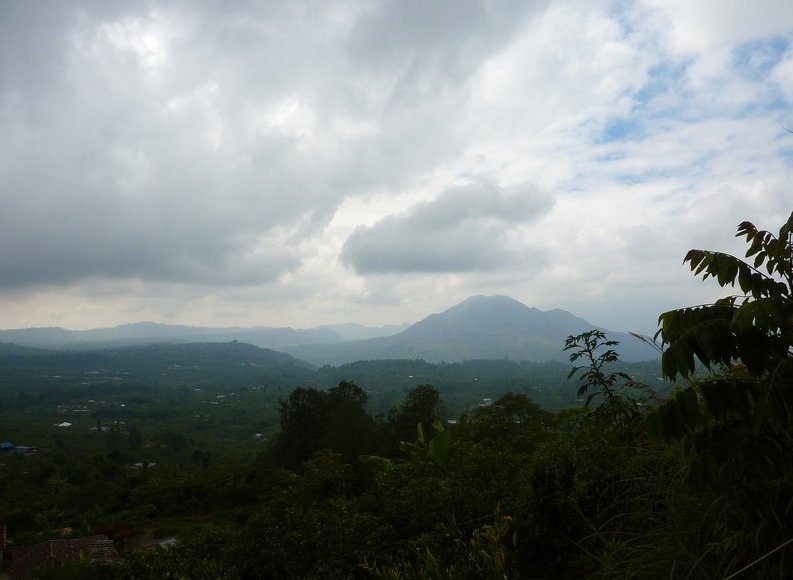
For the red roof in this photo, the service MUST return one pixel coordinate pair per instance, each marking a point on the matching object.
(54, 553)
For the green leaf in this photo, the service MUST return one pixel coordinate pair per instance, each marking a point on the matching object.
(440, 448)
(437, 424)
(754, 248)
(745, 280)
(689, 405)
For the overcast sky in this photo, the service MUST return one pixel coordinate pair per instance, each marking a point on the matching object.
(309, 162)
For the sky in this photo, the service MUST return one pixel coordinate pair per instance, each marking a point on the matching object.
(304, 163)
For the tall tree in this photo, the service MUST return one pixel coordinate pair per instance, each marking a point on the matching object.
(303, 425)
(513, 420)
(737, 423)
(420, 405)
(348, 427)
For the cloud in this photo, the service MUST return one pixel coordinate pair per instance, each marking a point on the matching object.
(699, 26)
(464, 229)
(164, 144)
(300, 162)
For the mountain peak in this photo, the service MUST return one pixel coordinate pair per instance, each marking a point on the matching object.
(480, 327)
(489, 315)
(484, 300)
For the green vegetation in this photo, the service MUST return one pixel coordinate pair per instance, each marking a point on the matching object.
(535, 476)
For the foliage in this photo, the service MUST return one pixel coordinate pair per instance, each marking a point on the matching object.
(440, 446)
(513, 420)
(313, 420)
(487, 553)
(422, 404)
(596, 383)
(736, 426)
(755, 327)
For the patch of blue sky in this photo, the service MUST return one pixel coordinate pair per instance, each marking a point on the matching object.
(647, 176)
(754, 60)
(620, 129)
(619, 11)
(611, 156)
(786, 153)
(772, 100)
(634, 178)
(663, 78)
(692, 169)
(649, 104)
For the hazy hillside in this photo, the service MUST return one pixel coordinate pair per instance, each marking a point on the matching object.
(352, 331)
(170, 363)
(482, 327)
(11, 349)
(151, 332)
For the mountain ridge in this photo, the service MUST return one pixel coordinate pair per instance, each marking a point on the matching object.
(147, 332)
(480, 327)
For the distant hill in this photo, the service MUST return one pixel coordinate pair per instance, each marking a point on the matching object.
(152, 332)
(481, 327)
(352, 331)
(11, 349)
(187, 359)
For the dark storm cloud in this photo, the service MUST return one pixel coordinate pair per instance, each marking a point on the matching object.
(202, 141)
(431, 44)
(464, 229)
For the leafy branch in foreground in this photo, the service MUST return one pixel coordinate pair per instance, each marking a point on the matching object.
(755, 328)
(750, 336)
(595, 381)
(737, 425)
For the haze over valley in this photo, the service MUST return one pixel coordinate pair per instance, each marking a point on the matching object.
(481, 327)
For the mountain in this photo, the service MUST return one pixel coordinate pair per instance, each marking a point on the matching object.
(351, 331)
(49, 337)
(481, 327)
(152, 332)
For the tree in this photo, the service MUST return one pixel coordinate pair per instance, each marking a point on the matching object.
(303, 422)
(754, 327)
(348, 392)
(749, 337)
(348, 429)
(736, 425)
(313, 420)
(421, 403)
(513, 420)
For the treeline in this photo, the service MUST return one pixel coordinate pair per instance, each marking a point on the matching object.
(160, 371)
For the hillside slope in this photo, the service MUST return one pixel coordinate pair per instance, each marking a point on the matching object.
(481, 327)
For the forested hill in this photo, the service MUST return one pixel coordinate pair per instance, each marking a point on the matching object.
(234, 365)
(175, 362)
(482, 327)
